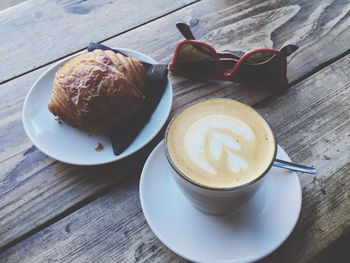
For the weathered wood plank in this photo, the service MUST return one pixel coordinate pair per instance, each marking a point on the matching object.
(40, 31)
(321, 26)
(12, 94)
(275, 18)
(60, 185)
(313, 123)
(314, 129)
(127, 229)
(338, 251)
(26, 164)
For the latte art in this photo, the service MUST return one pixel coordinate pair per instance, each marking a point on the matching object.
(214, 143)
(220, 143)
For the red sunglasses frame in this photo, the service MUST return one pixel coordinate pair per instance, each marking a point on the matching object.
(221, 73)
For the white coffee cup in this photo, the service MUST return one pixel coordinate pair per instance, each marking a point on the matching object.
(220, 200)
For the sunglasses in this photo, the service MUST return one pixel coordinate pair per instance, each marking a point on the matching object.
(197, 60)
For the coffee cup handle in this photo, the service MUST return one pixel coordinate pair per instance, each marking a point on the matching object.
(294, 167)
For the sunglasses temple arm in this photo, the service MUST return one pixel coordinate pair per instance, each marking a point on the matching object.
(185, 30)
(289, 49)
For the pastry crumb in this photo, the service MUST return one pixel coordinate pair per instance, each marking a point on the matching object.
(99, 147)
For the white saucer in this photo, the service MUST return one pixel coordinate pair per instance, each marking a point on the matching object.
(74, 146)
(250, 234)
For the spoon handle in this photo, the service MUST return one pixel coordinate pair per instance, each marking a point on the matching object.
(294, 167)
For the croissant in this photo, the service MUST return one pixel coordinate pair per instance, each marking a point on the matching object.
(97, 89)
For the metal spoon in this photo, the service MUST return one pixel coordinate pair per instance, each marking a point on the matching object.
(294, 167)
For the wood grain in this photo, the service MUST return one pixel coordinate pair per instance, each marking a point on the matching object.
(313, 124)
(127, 239)
(208, 20)
(41, 31)
(29, 170)
(314, 129)
(319, 25)
(338, 251)
(39, 189)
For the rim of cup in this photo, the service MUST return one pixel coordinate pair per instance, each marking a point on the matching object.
(193, 182)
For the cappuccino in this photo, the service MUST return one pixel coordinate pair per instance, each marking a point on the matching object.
(220, 143)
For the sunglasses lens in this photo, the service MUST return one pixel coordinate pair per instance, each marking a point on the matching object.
(196, 61)
(261, 68)
(259, 58)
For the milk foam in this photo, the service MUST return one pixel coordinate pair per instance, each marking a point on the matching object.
(215, 138)
(220, 143)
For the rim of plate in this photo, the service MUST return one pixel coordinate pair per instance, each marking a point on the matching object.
(163, 240)
(158, 127)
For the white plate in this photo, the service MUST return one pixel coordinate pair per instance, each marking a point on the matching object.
(75, 146)
(250, 234)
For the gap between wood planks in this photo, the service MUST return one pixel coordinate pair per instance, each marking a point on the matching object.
(81, 203)
(320, 67)
(275, 95)
(103, 40)
(102, 192)
(95, 196)
(300, 79)
(62, 215)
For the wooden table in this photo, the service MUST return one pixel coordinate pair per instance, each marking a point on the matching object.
(54, 212)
